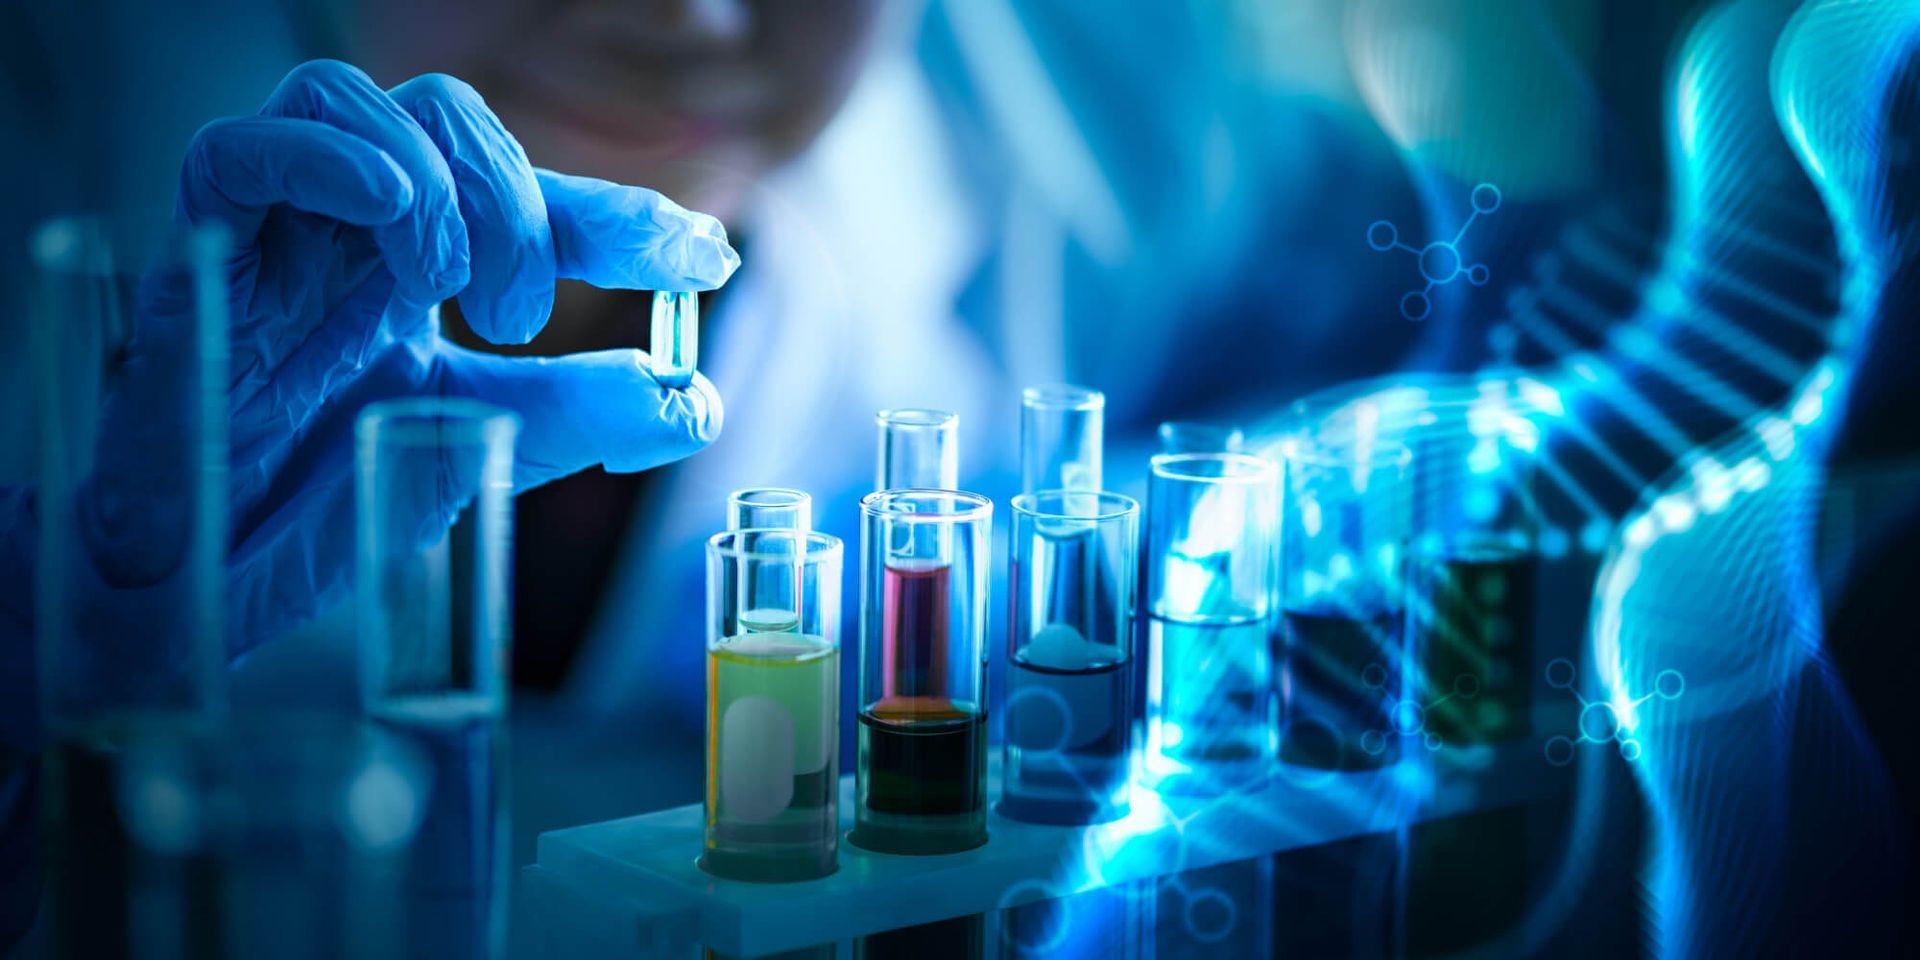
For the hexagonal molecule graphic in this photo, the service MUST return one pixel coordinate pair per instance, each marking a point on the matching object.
(1600, 719)
(1440, 261)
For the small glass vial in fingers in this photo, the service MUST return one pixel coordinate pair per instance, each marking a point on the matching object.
(676, 337)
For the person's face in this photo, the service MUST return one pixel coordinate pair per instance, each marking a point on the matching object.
(695, 98)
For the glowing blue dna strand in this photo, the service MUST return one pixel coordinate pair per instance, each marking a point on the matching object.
(1440, 260)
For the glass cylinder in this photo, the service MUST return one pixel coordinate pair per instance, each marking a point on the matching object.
(1060, 435)
(1211, 526)
(922, 775)
(773, 705)
(1474, 562)
(128, 584)
(919, 449)
(1194, 436)
(675, 347)
(434, 621)
(1344, 538)
(1070, 646)
(769, 508)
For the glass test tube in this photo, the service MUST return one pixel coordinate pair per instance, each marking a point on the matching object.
(769, 508)
(922, 775)
(1060, 435)
(675, 347)
(1473, 572)
(918, 449)
(1211, 524)
(1342, 593)
(1194, 436)
(773, 705)
(130, 575)
(433, 645)
(1069, 697)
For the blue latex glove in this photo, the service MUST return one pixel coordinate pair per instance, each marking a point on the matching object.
(354, 212)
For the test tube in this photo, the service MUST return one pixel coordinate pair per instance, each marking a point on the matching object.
(773, 705)
(433, 628)
(1343, 597)
(676, 337)
(769, 508)
(922, 776)
(918, 449)
(1195, 436)
(1060, 427)
(1474, 561)
(1069, 697)
(1209, 586)
(128, 583)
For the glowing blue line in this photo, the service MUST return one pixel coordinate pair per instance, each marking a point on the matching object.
(1763, 243)
(1743, 343)
(1472, 215)
(1574, 491)
(1607, 263)
(1761, 298)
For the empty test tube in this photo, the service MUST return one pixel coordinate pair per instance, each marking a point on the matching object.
(769, 508)
(1060, 428)
(676, 337)
(918, 449)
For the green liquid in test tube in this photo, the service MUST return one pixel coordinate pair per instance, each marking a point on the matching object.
(676, 337)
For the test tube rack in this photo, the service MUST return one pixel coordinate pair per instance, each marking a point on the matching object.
(630, 887)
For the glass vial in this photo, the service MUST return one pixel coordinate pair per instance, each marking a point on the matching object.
(922, 775)
(1060, 436)
(773, 705)
(433, 622)
(1211, 524)
(769, 508)
(919, 449)
(1070, 645)
(676, 337)
(1343, 691)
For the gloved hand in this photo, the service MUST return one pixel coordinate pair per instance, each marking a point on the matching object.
(354, 213)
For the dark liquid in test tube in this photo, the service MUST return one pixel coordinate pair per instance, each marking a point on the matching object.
(926, 763)
(1340, 681)
(1475, 642)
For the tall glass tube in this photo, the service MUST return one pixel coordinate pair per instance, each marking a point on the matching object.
(1212, 526)
(129, 580)
(1070, 646)
(1060, 436)
(1474, 561)
(769, 508)
(1195, 436)
(922, 775)
(1343, 594)
(919, 448)
(433, 645)
(773, 705)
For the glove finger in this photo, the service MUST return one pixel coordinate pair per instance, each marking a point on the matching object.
(587, 409)
(632, 238)
(426, 249)
(236, 168)
(510, 294)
